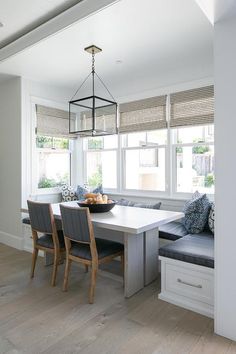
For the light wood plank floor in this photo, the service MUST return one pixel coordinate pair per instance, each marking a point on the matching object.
(36, 318)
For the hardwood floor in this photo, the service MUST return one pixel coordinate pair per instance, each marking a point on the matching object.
(37, 318)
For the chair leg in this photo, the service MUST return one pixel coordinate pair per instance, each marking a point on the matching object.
(93, 284)
(34, 259)
(55, 265)
(86, 268)
(66, 274)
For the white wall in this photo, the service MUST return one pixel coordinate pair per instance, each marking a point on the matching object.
(10, 162)
(225, 197)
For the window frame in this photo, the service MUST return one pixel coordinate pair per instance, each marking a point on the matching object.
(86, 151)
(143, 191)
(34, 149)
(185, 195)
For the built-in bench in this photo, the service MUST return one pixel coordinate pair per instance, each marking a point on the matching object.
(187, 269)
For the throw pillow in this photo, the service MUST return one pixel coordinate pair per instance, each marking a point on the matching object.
(196, 213)
(82, 190)
(211, 218)
(126, 202)
(147, 206)
(68, 193)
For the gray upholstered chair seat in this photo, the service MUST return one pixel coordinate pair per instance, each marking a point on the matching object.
(47, 241)
(172, 231)
(196, 249)
(104, 248)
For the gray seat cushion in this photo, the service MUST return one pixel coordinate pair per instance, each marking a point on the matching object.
(46, 240)
(104, 248)
(26, 221)
(196, 249)
(172, 231)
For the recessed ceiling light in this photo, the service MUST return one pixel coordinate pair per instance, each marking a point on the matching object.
(119, 61)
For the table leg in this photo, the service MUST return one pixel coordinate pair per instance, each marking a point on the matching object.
(151, 246)
(134, 263)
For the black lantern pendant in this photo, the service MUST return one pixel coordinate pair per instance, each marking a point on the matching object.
(92, 115)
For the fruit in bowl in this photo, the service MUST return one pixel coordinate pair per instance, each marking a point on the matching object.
(97, 203)
(93, 198)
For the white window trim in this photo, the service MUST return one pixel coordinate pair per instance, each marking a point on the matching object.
(34, 173)
(175, 194)
(85, 151)
(171, 183)
(138, 191)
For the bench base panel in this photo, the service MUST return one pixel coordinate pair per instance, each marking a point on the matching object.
(187, 285)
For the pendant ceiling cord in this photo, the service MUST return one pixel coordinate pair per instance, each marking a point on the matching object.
(105, 86)
(93, 73)
(93, 70)
(93, 115)
(80, 86)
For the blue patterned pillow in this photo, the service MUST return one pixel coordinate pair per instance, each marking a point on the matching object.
(82, 190)
(211, 218)
(196, 213)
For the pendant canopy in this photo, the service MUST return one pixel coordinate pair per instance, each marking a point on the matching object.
(92, 115)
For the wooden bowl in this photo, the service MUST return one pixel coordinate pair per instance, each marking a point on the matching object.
(97, 208)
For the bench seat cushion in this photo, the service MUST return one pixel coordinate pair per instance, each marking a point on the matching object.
(197, 249)
(172, 231)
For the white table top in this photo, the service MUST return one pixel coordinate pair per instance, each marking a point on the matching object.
(128, 219)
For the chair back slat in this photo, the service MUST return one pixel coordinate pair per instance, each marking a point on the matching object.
(40, 216)
(75, 223)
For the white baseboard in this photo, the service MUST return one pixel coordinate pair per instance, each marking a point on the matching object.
(11, 240)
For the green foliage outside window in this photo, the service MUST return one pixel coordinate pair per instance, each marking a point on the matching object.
(95, 144)
(96, 179)
(209, 180)
(45, 182)
(200, 149)
(51, 142)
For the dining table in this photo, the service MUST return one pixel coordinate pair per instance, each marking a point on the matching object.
(137, 229)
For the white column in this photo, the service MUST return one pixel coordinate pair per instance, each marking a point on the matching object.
(225, 150)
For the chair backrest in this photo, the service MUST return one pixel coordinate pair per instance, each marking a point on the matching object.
(41, 216)
(76, 223)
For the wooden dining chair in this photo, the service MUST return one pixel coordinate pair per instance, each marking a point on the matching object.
(82, 247)
(51, 240)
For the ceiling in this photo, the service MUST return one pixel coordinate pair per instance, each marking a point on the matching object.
(144, 47)
(27, 15)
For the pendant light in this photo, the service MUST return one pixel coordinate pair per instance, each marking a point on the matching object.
(92, 115)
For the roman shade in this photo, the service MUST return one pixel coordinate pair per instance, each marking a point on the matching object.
(142, 115)
(53, 122)
(192, 107)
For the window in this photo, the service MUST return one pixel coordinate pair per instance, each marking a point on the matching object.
(144, 158)
(53, 161)
(165, 146)
(100, 157)
(52, 142)
(193, 155)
